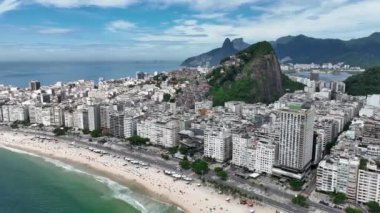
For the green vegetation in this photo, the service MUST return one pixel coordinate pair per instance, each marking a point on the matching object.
(295, 184)
(165, 157)
(160, 77)
(173, 150)
(338, 197)
(256, 50)
(363, 164)
(221, 173)
(365, 83)
(59, 131)
(137, 140)
(185, 164)
(15, 124)
(248, 81)
(86, 131)
(289, 85)
(300, 200)
(183, 150)
(167, 97)
(96, 133)
(352, 210)
(200, 167)
(373, 207)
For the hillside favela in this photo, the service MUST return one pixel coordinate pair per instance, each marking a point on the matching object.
(196, 106)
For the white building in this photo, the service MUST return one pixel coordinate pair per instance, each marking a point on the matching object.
(117, 125)
(130, 126)
(240, 144)
(296, 139)
(218, 144)
(162, 133)
(347, 176)
(368, 184)
(93, 117)
(254, 153)
(80, 118)
(327, 176)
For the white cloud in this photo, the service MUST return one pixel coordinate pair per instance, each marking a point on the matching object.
(80, 3)
(204, 5)
(120, 25)
(54, 30)
(8, 5)
(209, 15)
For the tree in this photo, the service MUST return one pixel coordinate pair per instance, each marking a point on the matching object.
(373, 207)
(338, 197)
(185, 164)
(165, 157)
(352, 210)
(96, 133)
(167, 97)
(300, 200)
(296, 184)
(200, 167)
(220, 173)
(86, 131)
(137, 140)
(59, 131)
(173, 150)
(14, 125)
(183, 150)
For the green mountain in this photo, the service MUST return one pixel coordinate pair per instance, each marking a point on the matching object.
(363, 52)
(365, 83)
(252, 75)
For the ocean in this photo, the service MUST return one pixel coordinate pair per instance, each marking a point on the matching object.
(20, 73)
(335, 76)
(30, 184)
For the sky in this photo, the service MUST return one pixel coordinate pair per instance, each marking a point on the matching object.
(50, 30)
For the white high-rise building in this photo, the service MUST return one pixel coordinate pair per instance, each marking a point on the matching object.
(12, 113)
(327, 176)
(69, 119)
(254, 153)
(81, 119)
(347, 177)
(130, 126)
(218, 144)
(105, 112)
(240, 144)
(296, 139)
(368, 183)
(265, 156)
(93, 117)
(163, 133)
(117, 125)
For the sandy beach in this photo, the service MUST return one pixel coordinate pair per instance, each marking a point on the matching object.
(188, 197)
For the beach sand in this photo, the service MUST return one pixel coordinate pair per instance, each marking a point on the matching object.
(189, 197)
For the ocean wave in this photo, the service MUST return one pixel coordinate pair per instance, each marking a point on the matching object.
(120, 192)
(139, 201)
(18, 151)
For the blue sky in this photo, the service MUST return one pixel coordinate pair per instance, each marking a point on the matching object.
(168, 29)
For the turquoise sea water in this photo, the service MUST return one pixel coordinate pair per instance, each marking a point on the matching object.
(29, 184)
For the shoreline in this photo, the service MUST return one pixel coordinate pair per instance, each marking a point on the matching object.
(149, 181)
(94, 172)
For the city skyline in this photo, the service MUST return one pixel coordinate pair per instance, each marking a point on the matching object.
(154, 30)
